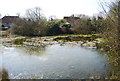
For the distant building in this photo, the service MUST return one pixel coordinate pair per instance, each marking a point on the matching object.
(72, 20)
(7, 21)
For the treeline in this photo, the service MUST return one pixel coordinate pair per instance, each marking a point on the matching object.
(89, 25)
(35, 24)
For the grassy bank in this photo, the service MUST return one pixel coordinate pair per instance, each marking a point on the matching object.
(84, 40)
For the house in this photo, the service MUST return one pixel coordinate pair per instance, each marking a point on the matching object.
(72, 20)
(7, 21)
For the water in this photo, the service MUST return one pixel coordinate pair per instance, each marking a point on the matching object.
(52, 62)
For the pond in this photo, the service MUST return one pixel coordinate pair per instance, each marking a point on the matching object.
(53, 62)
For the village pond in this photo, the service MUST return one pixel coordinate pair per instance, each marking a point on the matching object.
(53, 62)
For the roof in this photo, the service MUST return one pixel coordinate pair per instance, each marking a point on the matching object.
(9, 19)
(71, 18)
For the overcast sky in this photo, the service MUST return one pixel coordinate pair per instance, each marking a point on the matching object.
(58, 8)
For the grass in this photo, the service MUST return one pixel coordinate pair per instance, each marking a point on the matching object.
(63, 35)
(2, 31)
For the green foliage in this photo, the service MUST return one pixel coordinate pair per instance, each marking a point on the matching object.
(54, 27)
(61, 21)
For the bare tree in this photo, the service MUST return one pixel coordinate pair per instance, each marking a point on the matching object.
(112, 34)
(33, 25)
(34, 14)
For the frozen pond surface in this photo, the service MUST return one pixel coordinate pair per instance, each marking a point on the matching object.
(52, 62)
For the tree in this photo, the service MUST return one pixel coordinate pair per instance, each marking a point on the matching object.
(111, 35)
(34, 14)
(98, 24)
(33, 25)
(54, 27)
(83, 26)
